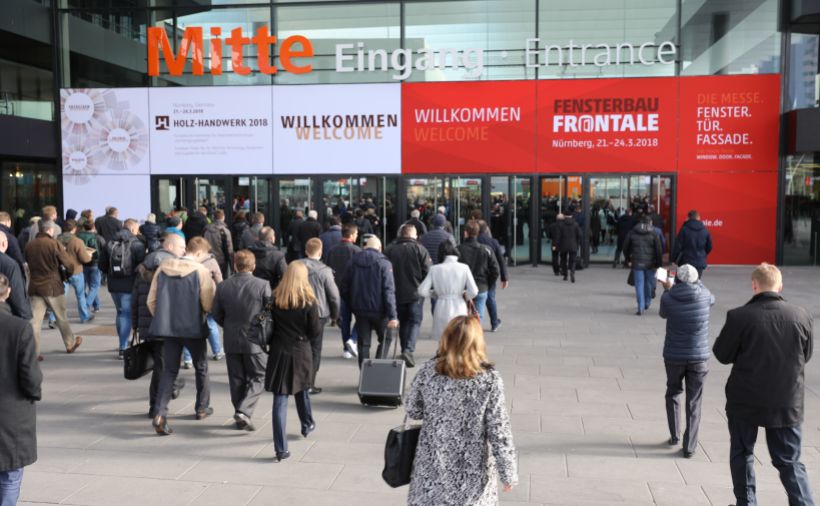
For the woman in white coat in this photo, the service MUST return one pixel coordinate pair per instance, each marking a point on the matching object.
(447, 282)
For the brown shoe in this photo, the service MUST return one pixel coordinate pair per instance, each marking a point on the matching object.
(78, 340)
(40, 358)
(161, 426)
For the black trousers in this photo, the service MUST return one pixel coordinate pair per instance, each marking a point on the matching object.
(784, 449)
(694, 374)
(172, 353)
(568, 256)
(556, 262)
(156, 376)
(316, 347)
(364, 327)
(246, 379)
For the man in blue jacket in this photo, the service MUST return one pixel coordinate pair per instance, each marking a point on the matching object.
(686, 308)
(693, 243)
(369, 289)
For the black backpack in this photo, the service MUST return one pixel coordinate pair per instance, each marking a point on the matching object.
(120, 258)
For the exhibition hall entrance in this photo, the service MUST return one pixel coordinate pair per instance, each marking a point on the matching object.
(459, 197)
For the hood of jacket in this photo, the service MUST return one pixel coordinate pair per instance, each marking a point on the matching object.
(124, 235)
(643, 230)
(367, 258)
(180, 267)
(155, 258)
(694, 225)
(259, 248)
(686, 292)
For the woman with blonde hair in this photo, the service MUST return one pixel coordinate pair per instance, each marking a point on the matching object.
(290, 363)
(460, 398)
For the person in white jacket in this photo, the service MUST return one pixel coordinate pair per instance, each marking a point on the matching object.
(447, 282)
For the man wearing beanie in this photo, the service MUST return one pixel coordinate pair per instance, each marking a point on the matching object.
(435, 236)
(151, 232)
(686, 308)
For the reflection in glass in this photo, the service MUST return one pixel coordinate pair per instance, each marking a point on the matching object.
(26, 188)
(801, 223)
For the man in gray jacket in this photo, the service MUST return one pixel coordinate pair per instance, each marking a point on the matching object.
(238, 301)
(327, 296)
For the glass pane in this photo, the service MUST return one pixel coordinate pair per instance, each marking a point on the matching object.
(294, 195)
(427, 195)
(26, 91)
(803, 72)
(729, 37)
(605, 23)
(609, 197)
(467, 195)
(801, 225)
(553, 195)
(498, 28)
(376, 25)
(502, 215)
(210, 194)
(170, 193)
(26, 188)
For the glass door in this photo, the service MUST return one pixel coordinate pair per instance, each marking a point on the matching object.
(209, 193)
(251, 194)
(801, 223)
(510, 216)
(427, 195)
(295, 194)
(171, 196)
(372, 197)
(559, 195)
(466, 202)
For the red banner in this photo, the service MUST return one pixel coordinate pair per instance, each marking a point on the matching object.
(607, 125)
(729, 122)
(739, 209)
(478, 127)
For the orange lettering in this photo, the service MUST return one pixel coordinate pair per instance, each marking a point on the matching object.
(157, 38)
(216, 51)
(262, 40)
(236, 41)
(287, 52)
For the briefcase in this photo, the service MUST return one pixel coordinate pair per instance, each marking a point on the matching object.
(137, 359)
(381, 380)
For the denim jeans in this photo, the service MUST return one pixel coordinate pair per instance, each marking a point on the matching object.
(93, 279)
(122, 301)
(77, 281)
(480, 301)
(213, 340)
(410, 316)
(280, 416)
(492, 307)
(346, 317)
(10, 482)
(644, 280)
(784, 449)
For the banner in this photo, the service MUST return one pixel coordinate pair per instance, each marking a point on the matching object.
(475, 127)
(104, 131)
(729, 122)
(343, 129)
(211, 130)
(129, 193)
(607, 125)
(738, 208)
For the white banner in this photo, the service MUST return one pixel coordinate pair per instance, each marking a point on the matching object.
(130, 194)
(104, 131)
(211, 130)
(347, 128)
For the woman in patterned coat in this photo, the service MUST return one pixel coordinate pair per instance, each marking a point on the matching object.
(466, 441)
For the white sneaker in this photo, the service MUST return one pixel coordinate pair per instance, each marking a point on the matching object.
(219, 356)
(187, 364)
(352, 348)
(347, 355)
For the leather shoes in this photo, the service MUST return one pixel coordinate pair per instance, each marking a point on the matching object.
(282, 456)
(688, 455)
(308, 429)
(78, 340)
(175, 392)
(243, 422)
(205, 413)
(673, 441)
(40, 358)
(314, 391)
(160, 424)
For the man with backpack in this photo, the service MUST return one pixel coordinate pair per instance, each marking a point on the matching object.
(80, 256)
(219, 237)
(91, 270)
(119, 260)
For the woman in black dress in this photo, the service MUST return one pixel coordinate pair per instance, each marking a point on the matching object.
(290, 363)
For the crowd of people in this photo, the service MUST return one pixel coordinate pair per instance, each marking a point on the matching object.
(175, 284)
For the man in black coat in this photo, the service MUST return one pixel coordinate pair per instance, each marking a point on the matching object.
(108, 225)
(270, 262)
(338, 259)
(481, 261)
(642, 250)
(625, 224)
(20, 381)
(554, 235)
(308, 229)
(195, 224)
(411, 263)
(294, 246)
(768, 342)
(13, 250)
(17, 301)
(486, 238)
(569, 240)
(693, 244)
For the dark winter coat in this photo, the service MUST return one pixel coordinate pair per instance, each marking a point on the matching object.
(45, 255)
(107, 226)
(495, 246)
(625, 225)
(237, 231)
(124, 284)
(20, 382)
(643, 248)
(330, 238)
(692, 245)
(411, 263)
(421, 228)
(219, 237)
(14, 250)
(270, 262)
(195, 225)
(433, 239)
(338, 259)
(238, 300)
(368, 286)
(768, 341)
(293, 235)
(181, 294)
(17, 301)
(686, 309)
(141, 317)
(290, 362)
(481, 261)
(250, 235)
(152, 234)
(309, 229)
(554, 233)
(569, 236)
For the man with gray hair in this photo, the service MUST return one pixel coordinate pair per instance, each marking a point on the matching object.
(768, 342)
(685, 306)
(415, 220)
(308, 229)
(45, 257)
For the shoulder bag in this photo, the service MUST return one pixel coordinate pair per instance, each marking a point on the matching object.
(137, 359)
(260, 332)
(399, 454)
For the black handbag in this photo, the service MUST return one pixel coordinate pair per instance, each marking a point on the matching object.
(399, 454)
(65, 273)
(260, 332)
(137, 359)
(630, 280)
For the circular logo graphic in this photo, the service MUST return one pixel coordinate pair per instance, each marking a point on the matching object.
(118, 140)
(79, 108)
(77, 161)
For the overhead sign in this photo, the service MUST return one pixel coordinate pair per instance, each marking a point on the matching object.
(211, 130)
(349, 129)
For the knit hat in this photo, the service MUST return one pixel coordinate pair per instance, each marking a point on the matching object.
(438, 221)
(687, 274)
(151, 218)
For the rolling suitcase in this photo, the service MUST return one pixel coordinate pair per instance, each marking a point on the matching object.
(381, 381)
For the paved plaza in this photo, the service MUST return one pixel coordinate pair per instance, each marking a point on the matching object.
(584, 380)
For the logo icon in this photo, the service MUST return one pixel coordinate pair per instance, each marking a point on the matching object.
(162, 122)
